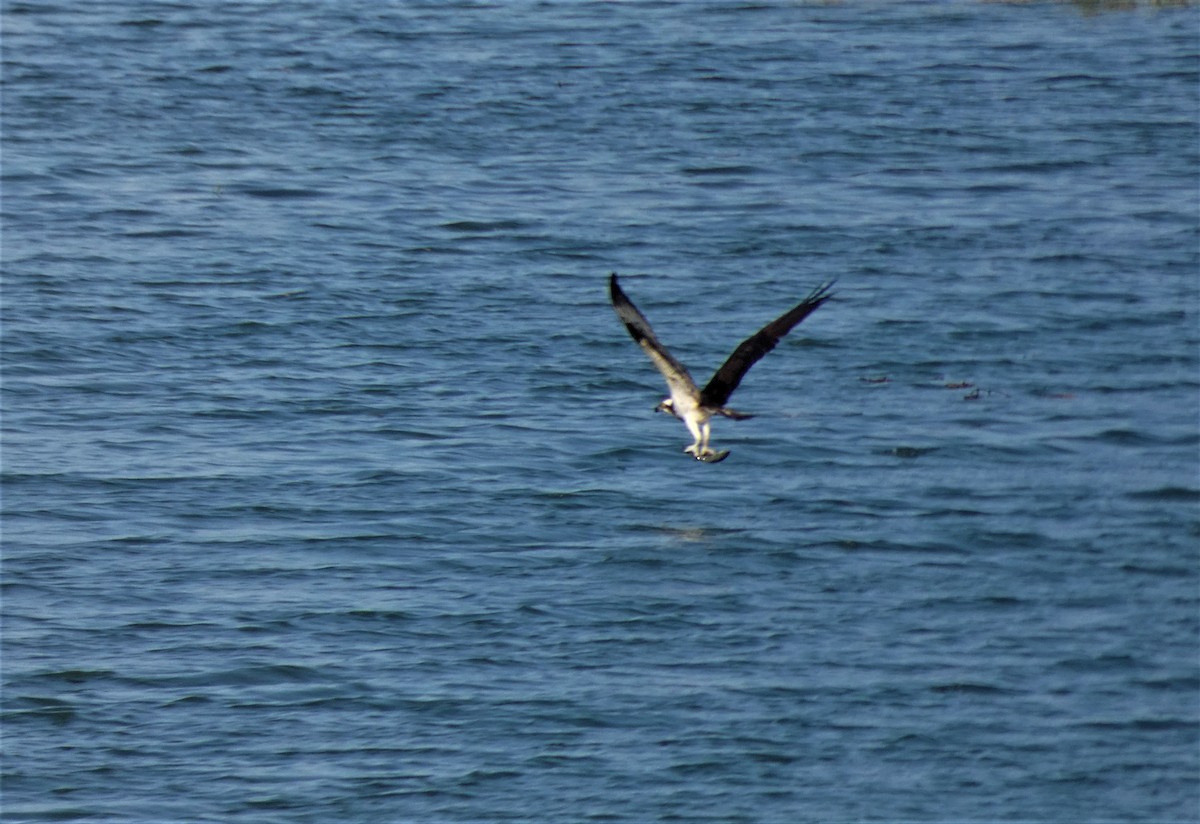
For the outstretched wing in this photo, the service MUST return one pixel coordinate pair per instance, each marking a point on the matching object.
(678, 379)
(749, 351)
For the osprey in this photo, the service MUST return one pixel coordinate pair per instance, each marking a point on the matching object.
(694, 406)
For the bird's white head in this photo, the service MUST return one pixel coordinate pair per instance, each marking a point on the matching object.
(666, 405)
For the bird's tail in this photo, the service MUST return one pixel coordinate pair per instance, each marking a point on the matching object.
(733, 413)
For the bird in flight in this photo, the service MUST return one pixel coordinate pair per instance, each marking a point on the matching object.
(695, 406)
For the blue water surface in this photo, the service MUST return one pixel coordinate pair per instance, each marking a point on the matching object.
(332, 485)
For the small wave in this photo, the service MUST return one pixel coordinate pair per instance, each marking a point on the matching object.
(909, 451)
(279, 192)
(1164, 570)
(1166, 493)
(253, 675)
(708, 171)
(968, 687)
(37, 707)
(157, 234)
(467, 226)
(1101, 663)
(75, 676)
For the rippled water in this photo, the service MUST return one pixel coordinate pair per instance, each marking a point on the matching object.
(332, 487)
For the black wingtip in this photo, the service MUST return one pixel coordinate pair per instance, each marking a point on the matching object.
(823, 292)
(615, 292)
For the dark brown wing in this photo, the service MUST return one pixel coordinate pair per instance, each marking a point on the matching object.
(678, 380)
(749, 351)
